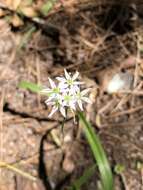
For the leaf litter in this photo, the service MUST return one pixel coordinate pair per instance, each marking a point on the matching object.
(84, 44)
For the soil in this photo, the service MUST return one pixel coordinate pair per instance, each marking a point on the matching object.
(99, 43)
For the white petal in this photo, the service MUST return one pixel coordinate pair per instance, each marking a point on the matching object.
(54, 109)
(72, 91)
(85, 91)
(49, 100)
(64, 103)
(78, 82)
(61, 79)
(72, 105)
(67, 74)
(52, 83)
(75, 87)
(80, 104)
(63, 112)
(75, 76)
(62, 85)
(85, 99)
(46, 90)
(49, 103)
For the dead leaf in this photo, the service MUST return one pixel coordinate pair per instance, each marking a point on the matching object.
(28, 11)
(15, 4)
(26, 3)
(2, 12)
(98, 120)
(141, 70)
(16, 21)
(9, 3)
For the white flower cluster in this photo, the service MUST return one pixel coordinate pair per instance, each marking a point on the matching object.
(66, 95)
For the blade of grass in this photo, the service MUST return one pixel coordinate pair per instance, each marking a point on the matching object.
(99, 154)
(30, 86)
(83, 179)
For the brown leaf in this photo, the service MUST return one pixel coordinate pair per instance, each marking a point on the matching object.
(2, 12)
(9, 3)
(16, 21)
(15, 4)
(28, 11)
(98, 120)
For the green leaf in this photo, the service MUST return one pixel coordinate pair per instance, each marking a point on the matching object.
(47, 7)
(30, 86)
(99, 154)
(84, 178)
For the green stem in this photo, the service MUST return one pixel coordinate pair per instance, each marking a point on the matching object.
(98, 153)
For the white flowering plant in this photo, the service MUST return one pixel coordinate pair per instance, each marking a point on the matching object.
(67, 94)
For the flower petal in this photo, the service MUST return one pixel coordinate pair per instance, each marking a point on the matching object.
(62, 110)
(87, 100)
(61, 79)
(80, 104)
(75, 76)
(72, 105)
(67, 74)
(73, 89)
(50, 103)
(46, 90)
(52, 83)
(54, 109)
(85, 91)
(78, 82)
(49, 100)
(62, 85)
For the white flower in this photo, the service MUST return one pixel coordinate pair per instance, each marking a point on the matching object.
(68, 82)
(54, 98)
(66, 94)
(81, 98)
(57, 105)
(55, 108)
(52, 92)
(69, 101)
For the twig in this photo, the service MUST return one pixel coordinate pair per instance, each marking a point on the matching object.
(1, 127)
(134, 92)
(38, 79)
(137, 62)
(13, 168)
(129, 111)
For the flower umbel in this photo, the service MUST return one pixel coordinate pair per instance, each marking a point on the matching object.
(66, 94)
(68, 82)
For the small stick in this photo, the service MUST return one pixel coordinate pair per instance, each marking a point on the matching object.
(13, 168)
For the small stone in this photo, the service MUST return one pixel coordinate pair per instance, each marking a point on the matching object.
(29, 131)
(120, 82)
(68, 165)
(67, 138)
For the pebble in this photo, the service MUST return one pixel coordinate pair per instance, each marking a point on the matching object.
(120, 82)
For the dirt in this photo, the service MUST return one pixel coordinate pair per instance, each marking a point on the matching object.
(88, 42)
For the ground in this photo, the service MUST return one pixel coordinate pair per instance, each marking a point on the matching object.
(98, 43)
